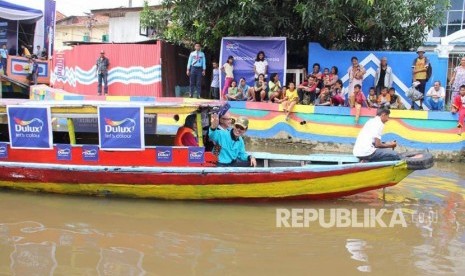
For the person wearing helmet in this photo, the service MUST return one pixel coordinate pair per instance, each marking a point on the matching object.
(232, 152)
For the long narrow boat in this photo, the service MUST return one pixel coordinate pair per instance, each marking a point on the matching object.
(141, 174)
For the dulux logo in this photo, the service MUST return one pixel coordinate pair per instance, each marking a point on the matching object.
(196, 154)
(64, 151)
(232, 46)
(35, 125)
(2, 150)
(89, 152)
(117, 126)
(164, 154)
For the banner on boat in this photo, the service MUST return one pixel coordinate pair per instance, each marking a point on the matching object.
(120, 128)
(30, 127)
(3, 150)
(245, 50)
(196, 154)
(64, 152)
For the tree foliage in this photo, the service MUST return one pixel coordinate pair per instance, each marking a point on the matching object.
(336, 24)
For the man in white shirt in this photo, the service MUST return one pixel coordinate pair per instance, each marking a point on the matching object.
(436, 96)
(368, 146)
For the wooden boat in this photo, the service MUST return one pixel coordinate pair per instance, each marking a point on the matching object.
(139, 174)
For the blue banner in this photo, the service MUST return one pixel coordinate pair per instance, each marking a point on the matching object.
(120, 128)
(90, 153)
(63, 152)
(164, 154)
(196, 154)
(3, 150)
(29, 127)
(245, 50)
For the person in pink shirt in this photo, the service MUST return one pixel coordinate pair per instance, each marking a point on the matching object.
(359, 101)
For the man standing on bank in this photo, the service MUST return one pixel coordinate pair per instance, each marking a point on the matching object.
(232, 152)
(368, 146)
(102, 73)
(420, 72)
(195, 70)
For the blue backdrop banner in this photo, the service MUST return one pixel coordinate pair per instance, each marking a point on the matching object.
(29, 127)
(245, 50)
(120, 128)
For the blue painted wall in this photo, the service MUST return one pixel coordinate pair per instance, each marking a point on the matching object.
(401, 63)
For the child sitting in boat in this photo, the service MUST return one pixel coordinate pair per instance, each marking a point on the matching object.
(186, 136)
(458, 106)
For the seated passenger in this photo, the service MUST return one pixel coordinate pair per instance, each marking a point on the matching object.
(395, 102)
(186, 135)
(232, 148)
(274, 88)
(436, 95)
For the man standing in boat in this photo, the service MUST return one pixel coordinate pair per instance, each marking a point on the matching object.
(102, 73)
(232, 153)
(368, 146)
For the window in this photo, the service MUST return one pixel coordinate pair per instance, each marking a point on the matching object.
(453, 19)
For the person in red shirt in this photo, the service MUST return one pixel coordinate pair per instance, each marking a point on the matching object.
(458, 106)
(360, 100)
(185, 137)
(308, 91)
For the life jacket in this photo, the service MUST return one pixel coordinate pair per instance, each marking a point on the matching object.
(181, 131)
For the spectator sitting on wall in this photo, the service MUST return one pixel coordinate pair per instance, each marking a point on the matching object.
(308, 91)
(436, 95)
(359, 101)
(260, 89)
(324, 98)
(337, 94)
(394, 102)
(384, 99)
(332, 78)
(233, 93)
(274, 88)
(372, 99)
(290, 99)
(245, 90)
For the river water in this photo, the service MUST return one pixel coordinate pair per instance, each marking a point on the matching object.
(42, 234)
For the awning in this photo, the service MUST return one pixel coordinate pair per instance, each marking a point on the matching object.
(18, 13)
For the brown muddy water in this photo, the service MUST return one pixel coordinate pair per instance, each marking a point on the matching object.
(42, 234)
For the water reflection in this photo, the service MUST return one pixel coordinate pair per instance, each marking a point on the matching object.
(58, 235)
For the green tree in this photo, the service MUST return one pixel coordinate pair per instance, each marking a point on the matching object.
(336, 24)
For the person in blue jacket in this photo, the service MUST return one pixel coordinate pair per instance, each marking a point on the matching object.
(232, 152)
